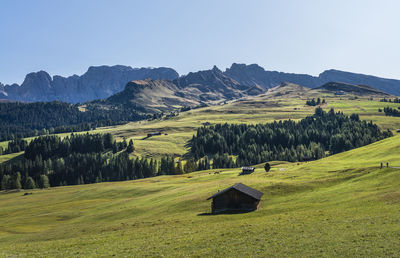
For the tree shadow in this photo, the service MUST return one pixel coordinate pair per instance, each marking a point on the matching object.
(227, 212)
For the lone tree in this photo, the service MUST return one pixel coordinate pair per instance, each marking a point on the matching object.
(130, 147)
(267, 167)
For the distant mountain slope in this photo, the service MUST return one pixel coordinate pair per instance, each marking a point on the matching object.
(97, 83)
(390, 86)
(237, 81)
(212, 84)
(151, 95)
(255, 75)
(209, 86)
(350, 88)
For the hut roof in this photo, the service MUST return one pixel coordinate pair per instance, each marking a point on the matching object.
(241, 188)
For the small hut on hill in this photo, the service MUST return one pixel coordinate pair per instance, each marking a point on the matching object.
(238, 197)
(247, 170)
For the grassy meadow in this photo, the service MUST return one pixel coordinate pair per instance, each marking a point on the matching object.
(262, 109)
(284, 103)
(343, 205)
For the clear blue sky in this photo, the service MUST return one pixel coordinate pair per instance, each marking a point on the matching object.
(66, 37)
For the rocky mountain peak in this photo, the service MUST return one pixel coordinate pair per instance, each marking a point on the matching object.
(97, 83)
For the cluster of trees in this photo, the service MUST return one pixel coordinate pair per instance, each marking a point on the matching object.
(15, 181)
(77, 159)
(14, 146)
(395, 100)
(83, 159)
(292, 141)
(20, 120)
(314, 102)
(391, 111)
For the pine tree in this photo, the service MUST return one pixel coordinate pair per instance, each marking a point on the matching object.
(29, 183)
(5, 183)
(178, 168)
(267, 167)
(190, 166)
(43, 181)
(16, 181)
(130, 147)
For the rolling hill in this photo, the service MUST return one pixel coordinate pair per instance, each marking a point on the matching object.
(343, 205)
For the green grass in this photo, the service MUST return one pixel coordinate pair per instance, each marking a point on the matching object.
(257, 110)
(260, 109)
(4, 158)
(343, 205)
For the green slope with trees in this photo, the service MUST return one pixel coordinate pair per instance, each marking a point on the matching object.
(342, 205)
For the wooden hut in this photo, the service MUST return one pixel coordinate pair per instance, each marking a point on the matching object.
(238, 197)
(247, 170)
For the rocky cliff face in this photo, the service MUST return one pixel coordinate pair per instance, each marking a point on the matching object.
(210, 85)
(97, 83)
(351, 88)
(203, 87)
(215, 85)
(3, 94)
(256, 75)
(390, 86)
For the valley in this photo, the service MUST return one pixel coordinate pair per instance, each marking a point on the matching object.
(281, 103)
(341, 205)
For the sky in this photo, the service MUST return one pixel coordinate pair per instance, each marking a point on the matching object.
(307, 36)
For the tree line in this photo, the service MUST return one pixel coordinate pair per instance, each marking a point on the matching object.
(391, 111)
(76, 159)
(311, 138)
(314, 102)
(83, 159)
(395, 100)
(20, 120)
(14, 146)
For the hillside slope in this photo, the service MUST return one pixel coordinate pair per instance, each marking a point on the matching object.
(255, 75)
(203, 87)
(153, 95)
(337, 88)
(343, 205)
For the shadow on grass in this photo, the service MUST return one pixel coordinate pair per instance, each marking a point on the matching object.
(231, 212)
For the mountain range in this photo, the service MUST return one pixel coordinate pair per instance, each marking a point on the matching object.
(199, 88)
(97, 83)
(164, 87)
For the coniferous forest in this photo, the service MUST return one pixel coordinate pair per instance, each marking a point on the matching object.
(391, 111)
(77, 159)
(90, 158)
(19, 120)
(311, 138)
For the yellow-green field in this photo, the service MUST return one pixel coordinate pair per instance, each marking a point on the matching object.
(284, 103)
(343, 205)
(256, 110)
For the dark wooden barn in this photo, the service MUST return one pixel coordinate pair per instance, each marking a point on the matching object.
(238, 197)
